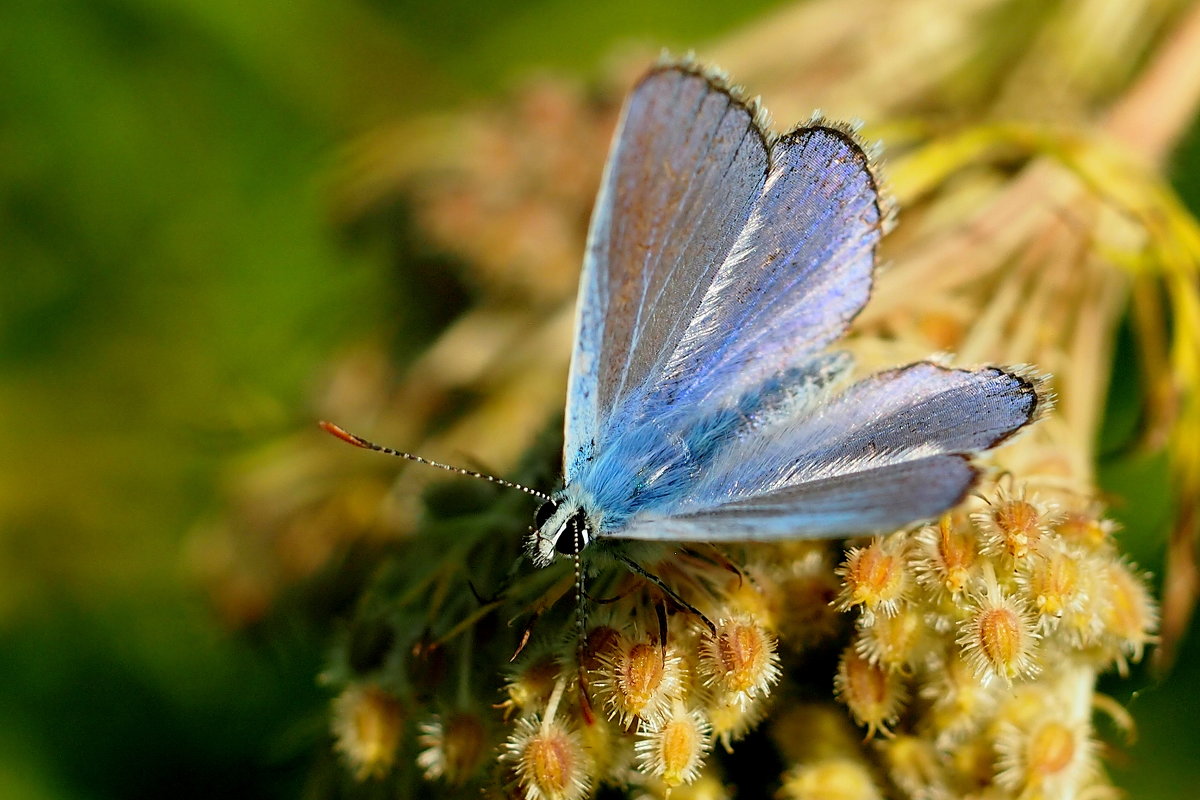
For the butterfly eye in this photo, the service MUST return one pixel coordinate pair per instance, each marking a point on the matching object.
(566, 543)
(544, 513)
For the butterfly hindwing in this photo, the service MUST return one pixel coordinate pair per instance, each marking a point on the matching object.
(890, 417)
(890, 450)
(878, 499)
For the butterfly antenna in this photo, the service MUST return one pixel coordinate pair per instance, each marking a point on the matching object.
(358, 441)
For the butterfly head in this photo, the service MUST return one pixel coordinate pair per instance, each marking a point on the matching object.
(560, 527)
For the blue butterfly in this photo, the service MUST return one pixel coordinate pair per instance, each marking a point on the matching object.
(720, 264)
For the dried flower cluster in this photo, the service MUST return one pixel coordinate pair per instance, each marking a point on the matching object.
(651, 687)
(966, 651)
(996, 627)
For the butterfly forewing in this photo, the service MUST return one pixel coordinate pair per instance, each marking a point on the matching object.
(798, 274)
(688, 162)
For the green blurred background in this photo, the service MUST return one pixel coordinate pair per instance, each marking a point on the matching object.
(173, 282)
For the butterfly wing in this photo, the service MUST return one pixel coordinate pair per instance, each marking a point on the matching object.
(799, 273)
(874, 499)
(688, 162)
(890, 450)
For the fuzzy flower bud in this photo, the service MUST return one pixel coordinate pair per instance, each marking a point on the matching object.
(550, 760)
(1086, 529)
(959, 704)
(367, 722)
(945, 556)
(1046, 758)
(895, 642)
(1052, 585)
(1013, 525)
(873, 694)
(454, 747)
(673, 748)
(1129, 615)
(530, 686)
(914, 767)
(999, 639)
(830, 779)
(808, 588)
(638, 679)
(874, 577)
(739, 661)
(731, 720)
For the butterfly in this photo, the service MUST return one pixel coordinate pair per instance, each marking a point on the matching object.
(722, 261)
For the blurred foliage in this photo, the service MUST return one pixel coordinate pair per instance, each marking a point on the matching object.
(175, 284)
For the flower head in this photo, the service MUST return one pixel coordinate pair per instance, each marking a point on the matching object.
(453, 746)
(367, 722)
(875, 578)
(673, 748)
(638, 679)
(873, 694)
(738, 661)
(999, 638)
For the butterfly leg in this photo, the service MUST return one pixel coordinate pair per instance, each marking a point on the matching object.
(671, 593)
